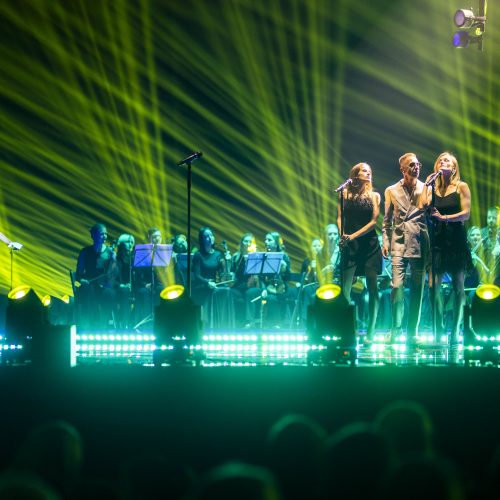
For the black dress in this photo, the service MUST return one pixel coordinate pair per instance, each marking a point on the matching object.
(364, 252)
(217, 304)
(206, 267)
(451, 251)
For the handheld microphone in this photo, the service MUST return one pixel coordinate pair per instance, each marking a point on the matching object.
(190, 158)
(432, 179)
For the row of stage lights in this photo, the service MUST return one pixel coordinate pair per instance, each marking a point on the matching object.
(330, 335)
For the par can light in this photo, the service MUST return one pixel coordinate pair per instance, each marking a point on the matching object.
(464, 18)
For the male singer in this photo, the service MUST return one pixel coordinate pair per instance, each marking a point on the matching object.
(405, 237)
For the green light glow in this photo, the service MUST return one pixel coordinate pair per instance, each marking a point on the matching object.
(101, 99)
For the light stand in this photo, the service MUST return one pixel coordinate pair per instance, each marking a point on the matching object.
(12, 246)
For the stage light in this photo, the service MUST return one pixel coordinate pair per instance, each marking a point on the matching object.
(328, 292)
(462, 39)
(473, 27)
(177, 323)
(465, 18)
(485, 310)
(25, 316)
(60, 310)
(19, 292)
(488, 292)
(27, 325)
(331, 323)
(481, 326)
(172, 292)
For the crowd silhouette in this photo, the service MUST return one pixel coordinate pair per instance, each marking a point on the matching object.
(394, 456)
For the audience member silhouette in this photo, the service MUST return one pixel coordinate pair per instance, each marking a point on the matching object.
(423, 476)
(237, 481)
(25, 486)
(294, 447)
(54, 452)
(355, 461)
(407, 428)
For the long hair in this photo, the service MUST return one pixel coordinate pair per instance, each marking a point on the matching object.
(246, 235)
(357, 189)
(455, 176)
(201, 232)
(319, 255)
(280, 247)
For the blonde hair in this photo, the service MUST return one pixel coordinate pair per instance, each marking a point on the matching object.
(403, 158)
(455, 176)
(354, 190)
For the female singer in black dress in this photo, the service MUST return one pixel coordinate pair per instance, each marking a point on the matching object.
(361, 253)
(450, 252)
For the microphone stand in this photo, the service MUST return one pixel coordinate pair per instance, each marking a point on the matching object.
(433, 260)
(188, 161)
(340, 190)
(189, 185)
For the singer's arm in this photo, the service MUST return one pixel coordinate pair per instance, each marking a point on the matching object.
(425, 198)
(388, 223)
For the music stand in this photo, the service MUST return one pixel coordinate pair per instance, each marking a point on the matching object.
(263, 263)
(13, 245)
(151, 256)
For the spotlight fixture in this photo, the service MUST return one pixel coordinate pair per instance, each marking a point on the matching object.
(25, 316)
(331, 328)
(465, 19)
(472, 27)
(172, 292)
(30, 335)
(177, 326)
(60, 310)
(328, 292)
(481, 327)
(19, 292)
